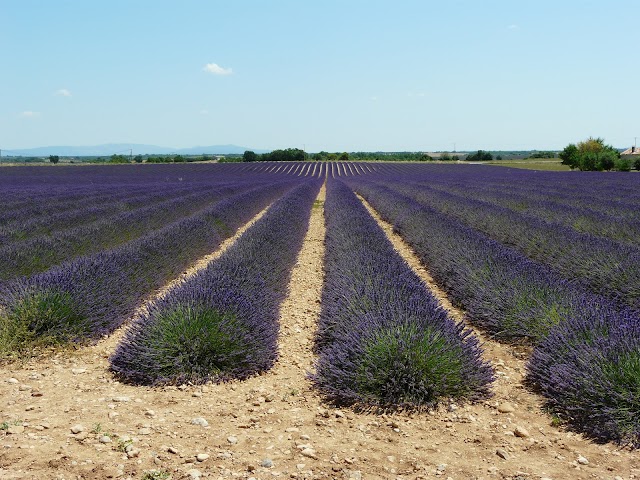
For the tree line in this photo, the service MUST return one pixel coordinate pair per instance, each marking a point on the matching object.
(593, 154)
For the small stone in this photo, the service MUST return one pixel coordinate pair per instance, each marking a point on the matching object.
(105, 439)
(194, 473)
(173, 450)
(266, 463)
(521, 432)
(77, 429)
(12, 380)
(36, 393)
(145, 431)
(200, 421)
(202, 457)
(506, 407)
(121, 399)
(441, 468)
(15, 429)
(232, 440)
(133, 453)
(24, 388)
(150, 413)
(582, 460)
(29, 408)
(78, 371)
(309, 453)
(502, 453)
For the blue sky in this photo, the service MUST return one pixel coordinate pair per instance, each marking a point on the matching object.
(336, 75)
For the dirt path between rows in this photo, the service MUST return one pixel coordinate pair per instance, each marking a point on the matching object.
(274, 425)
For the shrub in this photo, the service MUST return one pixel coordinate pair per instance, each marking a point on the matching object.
(92, 295)
(223, 322)
(589, 372)
(382, 338)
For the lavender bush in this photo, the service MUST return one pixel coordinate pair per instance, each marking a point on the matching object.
(223, 322)
(382, 338)
(589, 372)
(42, 252)
(91, 296)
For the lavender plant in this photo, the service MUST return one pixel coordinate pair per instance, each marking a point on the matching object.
(382, 338)
(42, 252)
(589, 372)
(91, 296)
(222, 323)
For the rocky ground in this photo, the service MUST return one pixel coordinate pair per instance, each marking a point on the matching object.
(65, 417)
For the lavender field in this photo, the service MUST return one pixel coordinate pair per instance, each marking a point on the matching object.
(545, 260)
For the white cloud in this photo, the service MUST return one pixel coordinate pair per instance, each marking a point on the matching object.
(63, 92)
(29, 114)
(374, 99)
(216, 69)
(512, 27)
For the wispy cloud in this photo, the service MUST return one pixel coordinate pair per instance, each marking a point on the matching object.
(216, 69)
(513, 27)
(374, 99)
(204, 112)
(63, 92)
(29, 114)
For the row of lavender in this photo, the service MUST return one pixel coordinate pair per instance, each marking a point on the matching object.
(608, 218)
(93, 294)
(383, 339)
(43, 251)
(587, 356)
(222, 323)
(602, 265)
(38, 217)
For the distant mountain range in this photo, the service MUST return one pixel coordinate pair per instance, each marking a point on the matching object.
(124, 148)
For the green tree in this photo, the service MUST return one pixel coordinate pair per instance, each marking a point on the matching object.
(118, 159)
(344, 157)
(636, 164)
(591, 154)
(569, 156)
(320, 156)
(54, 159)
(480, 156)
(137, 159)
(249, 156)
(623, 165)
(178, 159)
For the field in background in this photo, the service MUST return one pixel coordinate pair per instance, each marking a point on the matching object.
(533, 164)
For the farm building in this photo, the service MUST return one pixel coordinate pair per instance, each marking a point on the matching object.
(631, 153)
